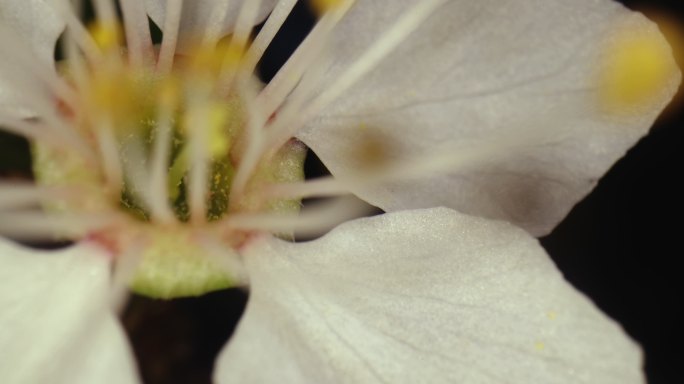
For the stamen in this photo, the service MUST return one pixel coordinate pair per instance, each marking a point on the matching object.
(313, 221)
(137, 177)
(266, 34)
(139, 41)
(105, 12)
(254, 138)
(383, 46)
(45, 134)
(159, 205)
(199, 168)
(320, 187)
(409, 21)
(76, 65)
(212, 32)
(79, 34)
(174, 10)
(40, 226)
(280, 129)
(15, 196)
(243, 26)
(289, 75)
(245, 22)
(109, 153)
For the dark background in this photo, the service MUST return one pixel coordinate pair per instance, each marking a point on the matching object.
(621, 246)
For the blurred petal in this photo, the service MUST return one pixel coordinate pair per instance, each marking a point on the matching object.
(39, 26)
(420, 296)
(483, 75)
(197, 14)
(56, 323)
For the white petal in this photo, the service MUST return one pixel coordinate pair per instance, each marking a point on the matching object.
(425, 296)
(55, 319)
(482, 75)
(197, 14)
(39, 26)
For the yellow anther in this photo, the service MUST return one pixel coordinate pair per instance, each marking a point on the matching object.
(106, 35)
(169, 93)
(636, 70)
(323, 6)
(219, 142)
(232, 54)
(112, 93)
(205, 59)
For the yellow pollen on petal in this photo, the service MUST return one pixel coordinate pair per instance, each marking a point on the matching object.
(323, 6)
(636, 70)
(107, 36)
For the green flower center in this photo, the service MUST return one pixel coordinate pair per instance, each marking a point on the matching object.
(167, 150)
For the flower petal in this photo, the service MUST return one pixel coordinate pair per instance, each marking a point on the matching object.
(519, 85)
(420, 296)
(196, 16)
(39, 26)
(55, 318)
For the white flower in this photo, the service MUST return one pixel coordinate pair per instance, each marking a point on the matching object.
(506, 111)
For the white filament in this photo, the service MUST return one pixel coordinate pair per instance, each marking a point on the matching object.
(199, 165)
(109, 154)
(158, 201)
(138, 39)
(313, 221)
(267, 33)
(292, 71)
(39, 226)
(15, 196)
(212, 32)
(243, 26)
(167, 51)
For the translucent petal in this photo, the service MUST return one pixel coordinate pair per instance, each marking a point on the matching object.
(56, 323)
(428, 296)
(39, 26)
(523, 85)
(196, 15)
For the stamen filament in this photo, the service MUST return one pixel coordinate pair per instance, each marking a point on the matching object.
(45, 134)
(105, 12)
(212, 32)
(266, 34)
(410, 20)
(15, 196)
(199, 164)
(243, 26)
(310, 222)
(158, 202)
(292, 71)
(254, 139)
(174, 10)
(79, 34)
(320, 187)
(109, 153)
(138, 39)
(40, 226)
